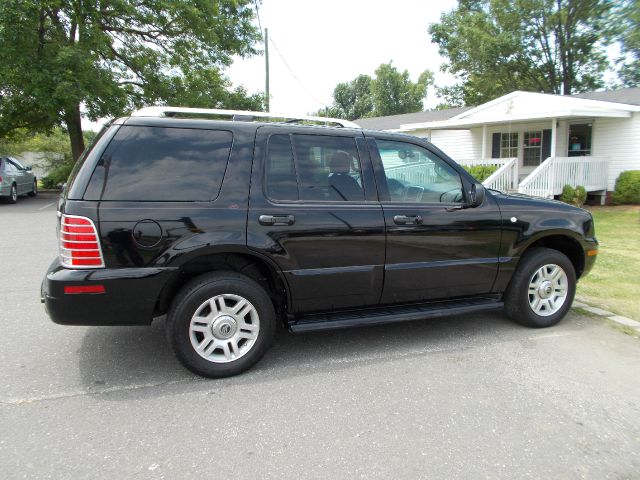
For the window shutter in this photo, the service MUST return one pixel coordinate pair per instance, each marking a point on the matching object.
(495, 145)
(546, 144)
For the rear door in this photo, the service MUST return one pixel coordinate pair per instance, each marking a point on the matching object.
(435, 248)
(314, 211)
(161, 193)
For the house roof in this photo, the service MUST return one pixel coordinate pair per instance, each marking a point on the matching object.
(409, 121)
(393, 122)
(629, 96)
(527, 106)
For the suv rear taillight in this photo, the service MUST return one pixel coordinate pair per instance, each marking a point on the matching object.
(79, 243)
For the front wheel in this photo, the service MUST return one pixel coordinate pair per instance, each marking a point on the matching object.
(34, 189)
(542, 289)
(220, 324)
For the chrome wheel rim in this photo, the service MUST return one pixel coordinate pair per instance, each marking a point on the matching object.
(14, 194)
(548, 290)
(224, 328)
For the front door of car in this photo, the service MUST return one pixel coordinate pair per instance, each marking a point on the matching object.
(314, 212)
(20, 175)
(436, 248)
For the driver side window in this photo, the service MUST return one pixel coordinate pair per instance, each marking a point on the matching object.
(414, 174)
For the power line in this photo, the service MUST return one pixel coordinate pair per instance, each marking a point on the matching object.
(295, 76)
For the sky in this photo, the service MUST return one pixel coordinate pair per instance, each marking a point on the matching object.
(316, 44)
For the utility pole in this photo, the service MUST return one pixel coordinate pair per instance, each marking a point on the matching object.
(266, 63)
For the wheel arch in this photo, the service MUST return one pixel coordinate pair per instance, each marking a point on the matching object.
(266, 274)
(565, 244)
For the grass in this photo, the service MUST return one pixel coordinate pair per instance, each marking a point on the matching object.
(614, 282)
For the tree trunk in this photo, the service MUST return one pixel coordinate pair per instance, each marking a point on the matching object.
(73, 120)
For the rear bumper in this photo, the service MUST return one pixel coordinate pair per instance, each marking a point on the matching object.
(129, 298)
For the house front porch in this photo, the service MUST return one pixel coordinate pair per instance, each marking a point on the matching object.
(538, 142)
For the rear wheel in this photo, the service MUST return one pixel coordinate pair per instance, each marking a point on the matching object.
(542, 289)
(13, 194)
(34, 190)
(220, 324)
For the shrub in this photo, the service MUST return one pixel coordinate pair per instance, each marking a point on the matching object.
(57, 176)
(574, 196)
(480, 172)
(627, 187)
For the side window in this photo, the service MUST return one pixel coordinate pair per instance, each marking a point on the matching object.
(314, 168)
(9, 167)
(414, 174)
(161, 164)
(16, 164)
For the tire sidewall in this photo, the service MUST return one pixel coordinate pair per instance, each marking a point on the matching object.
(13, 194)
(517, 297)
(192, 296)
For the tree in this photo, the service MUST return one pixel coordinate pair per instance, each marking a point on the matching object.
(626, 24)
(394, 93)
(497, 46)
(390, 92)
(353, 99)
(59, 57)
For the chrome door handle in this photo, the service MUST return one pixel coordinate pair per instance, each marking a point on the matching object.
(277, 219)
(407, 219)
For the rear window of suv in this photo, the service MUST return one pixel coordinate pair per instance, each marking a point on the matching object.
(157, 164)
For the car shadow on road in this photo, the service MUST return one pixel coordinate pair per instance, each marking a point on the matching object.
(121, 363)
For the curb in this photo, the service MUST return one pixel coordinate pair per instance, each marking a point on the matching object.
(619, 319)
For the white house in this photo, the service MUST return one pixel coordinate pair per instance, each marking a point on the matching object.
(540, 142)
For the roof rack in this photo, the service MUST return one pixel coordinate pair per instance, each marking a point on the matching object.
(239, 115)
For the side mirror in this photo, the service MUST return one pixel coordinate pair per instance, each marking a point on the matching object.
(476, 195)
(28, 169)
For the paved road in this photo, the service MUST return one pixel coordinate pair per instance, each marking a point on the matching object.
(465, 397)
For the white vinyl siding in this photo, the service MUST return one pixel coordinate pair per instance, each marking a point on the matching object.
(618, 140)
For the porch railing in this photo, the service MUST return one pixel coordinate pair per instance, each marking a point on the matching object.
(548, 179)
(505, 178)
(414, 174)
(496, 162)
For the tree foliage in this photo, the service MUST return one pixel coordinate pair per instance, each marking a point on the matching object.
(390, 92)
(497, 46)
(626, 27)
(110, 56)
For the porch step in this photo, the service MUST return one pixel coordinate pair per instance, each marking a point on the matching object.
(402, 313)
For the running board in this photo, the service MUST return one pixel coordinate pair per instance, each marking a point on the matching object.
(378, 316)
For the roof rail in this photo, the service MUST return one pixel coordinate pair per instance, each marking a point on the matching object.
(240, 114)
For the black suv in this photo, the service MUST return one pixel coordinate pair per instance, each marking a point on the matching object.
(230, 227)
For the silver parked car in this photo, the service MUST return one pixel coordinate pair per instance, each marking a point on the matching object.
(16, 180)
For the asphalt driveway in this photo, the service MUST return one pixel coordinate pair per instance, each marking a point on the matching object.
(463, 397)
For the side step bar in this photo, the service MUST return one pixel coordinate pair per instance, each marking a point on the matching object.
(403, 313)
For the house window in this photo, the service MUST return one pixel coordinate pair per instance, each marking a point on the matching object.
(580, 139)
(509, 145)
(532, 149)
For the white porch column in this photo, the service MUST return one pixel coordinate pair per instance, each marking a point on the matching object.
(554, 122)
(483, 154)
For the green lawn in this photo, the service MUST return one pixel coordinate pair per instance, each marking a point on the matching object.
(614, 282)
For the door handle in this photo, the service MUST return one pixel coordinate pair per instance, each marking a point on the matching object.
(277, 219)
(407, 219)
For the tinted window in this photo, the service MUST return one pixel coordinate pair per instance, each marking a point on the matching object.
(414, 174)
(161, 164)
(313, 167)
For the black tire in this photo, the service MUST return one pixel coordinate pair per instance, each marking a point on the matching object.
(517, 296)
(34, 191)
(13, 194)
(191, 298)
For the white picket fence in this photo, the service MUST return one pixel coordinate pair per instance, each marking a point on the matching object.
(548, 179)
